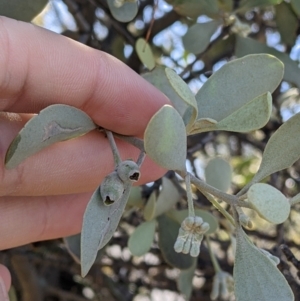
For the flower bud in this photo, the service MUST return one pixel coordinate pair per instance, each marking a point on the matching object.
(190, 235)
(128, 171)
(222, 286)
(112, 188)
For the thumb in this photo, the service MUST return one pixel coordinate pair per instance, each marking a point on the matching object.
(5, 282)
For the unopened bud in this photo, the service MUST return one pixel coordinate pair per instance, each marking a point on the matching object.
(128, 171)
(112, 188)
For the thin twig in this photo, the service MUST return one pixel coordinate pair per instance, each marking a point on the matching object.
(116, 155)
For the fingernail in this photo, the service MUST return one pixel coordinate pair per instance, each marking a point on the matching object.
(3, 292)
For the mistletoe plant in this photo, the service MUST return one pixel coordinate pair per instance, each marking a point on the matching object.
(235, 98)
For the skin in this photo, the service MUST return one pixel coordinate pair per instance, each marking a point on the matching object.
(45, 196)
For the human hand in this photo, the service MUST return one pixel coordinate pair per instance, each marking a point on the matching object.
(45, 197)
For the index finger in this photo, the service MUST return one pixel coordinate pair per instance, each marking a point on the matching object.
(39, 68)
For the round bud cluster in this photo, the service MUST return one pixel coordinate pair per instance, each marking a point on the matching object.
(113, 185)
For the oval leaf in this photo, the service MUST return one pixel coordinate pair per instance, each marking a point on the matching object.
(167, 198)
(24, 10)
(184, 92)
(255, 276)
(165, 139)
(269, 203)
(144, 53)
(198, 36)
(135, 197)
(99, 225)
(195, 8)
(247, 45)
(53, 124)
(149, 210)
(167, 235)
(124, 13)
(180, 215)
(218, 173)
(287, 30)
(281, 151)
(141, 239)
(252, 75)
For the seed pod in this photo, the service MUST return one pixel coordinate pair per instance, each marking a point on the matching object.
(128, 171)
(112, 188)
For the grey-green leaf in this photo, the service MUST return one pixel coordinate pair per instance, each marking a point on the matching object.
(167, 198)
(180, 215)
(73, 246)
(141, 239)
(287, 30)
(53, 124)
(24, 10)
(158, 78)
(245, 4)
(246, 46)
(99, 225)
(195, 8)
(185, 280)
(198, 36)
(296, 6)
(124, 13)
(255, 276)
(144, 53)
(252, 75)
(281, 151)
(149, 210)
(167, 234)
(165, 139)
(218, 173)
(184, 92)
(269, 203)
(251, 116)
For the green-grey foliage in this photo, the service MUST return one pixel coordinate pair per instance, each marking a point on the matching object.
(53, 124)
(198, 36)
(145, 53)
(166, 84)
(184, 92)
(246, 4)
(281, 151)
(72, 244)
(167, 198)
(24, 10)
(287, 30)
(246, 46)
(185, 280)
(269, 203)
(256, 277)
(150, 208)
(141, 239)
(251, 75)
(195, 8)
(218, 173)
(251, 116)
(167, 149)
(124, 13)
(99, 224)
